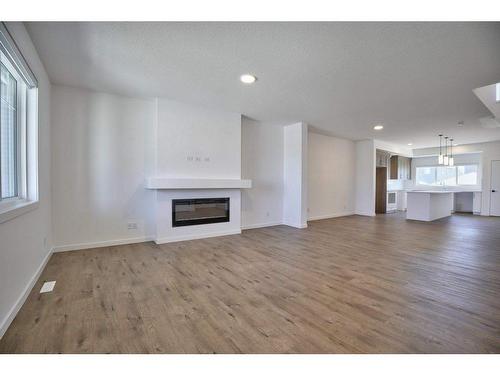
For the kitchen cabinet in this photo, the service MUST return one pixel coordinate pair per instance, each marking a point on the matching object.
(400, 168)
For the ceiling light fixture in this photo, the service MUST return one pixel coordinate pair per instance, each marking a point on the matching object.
(410, 144)
(440, 157)
(248, 78)
(445, 158)
(378, 127)
(451, 161)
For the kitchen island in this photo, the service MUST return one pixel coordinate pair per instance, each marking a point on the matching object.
(429, 205)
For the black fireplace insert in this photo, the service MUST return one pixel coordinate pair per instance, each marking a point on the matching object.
(199, 211)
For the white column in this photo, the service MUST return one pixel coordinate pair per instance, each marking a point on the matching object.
(295, 175)
(365, 178)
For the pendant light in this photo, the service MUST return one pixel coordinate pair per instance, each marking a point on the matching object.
(445, 157)
(440, 158)
(451, 162)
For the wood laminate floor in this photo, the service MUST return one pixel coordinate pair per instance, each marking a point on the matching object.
(346, 285)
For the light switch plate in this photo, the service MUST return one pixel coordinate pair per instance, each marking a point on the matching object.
(48, 286)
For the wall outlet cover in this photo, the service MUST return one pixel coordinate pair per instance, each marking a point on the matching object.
(48, 286)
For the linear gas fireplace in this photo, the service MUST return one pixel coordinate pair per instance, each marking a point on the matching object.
(199, 211)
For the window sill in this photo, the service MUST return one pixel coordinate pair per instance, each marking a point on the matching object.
(12, 209)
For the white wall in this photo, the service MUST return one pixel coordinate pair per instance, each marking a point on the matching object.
(365, 178)
(101, 154)
(392, 148)
(295, 175)
(331, 175)
(197, 142)
(26, 240)
(489, 151)
(262, 162)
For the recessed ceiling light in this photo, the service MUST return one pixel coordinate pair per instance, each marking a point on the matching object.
(247, 78)
(410, 144)
(378, 127)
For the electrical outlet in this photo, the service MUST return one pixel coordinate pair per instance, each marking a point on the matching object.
(131, 226)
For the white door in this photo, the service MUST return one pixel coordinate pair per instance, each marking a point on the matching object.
(495, 188)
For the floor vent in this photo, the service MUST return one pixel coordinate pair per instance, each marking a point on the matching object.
(48, 286)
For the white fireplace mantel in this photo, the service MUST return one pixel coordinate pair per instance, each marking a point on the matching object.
(196, 183)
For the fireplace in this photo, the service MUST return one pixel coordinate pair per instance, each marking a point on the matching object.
(199, 211)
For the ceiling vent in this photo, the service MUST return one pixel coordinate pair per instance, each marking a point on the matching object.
(489, 122)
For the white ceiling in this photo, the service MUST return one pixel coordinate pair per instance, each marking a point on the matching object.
(342, 78)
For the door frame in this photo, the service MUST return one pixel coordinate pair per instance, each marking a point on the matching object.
(491, 185)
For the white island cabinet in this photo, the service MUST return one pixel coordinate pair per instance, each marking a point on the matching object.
(429, 205)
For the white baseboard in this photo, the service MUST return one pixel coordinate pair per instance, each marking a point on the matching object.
(331, 216)
(261, 225)
(195, 236)
(364, 213)
(296, 225)
(22, 298)
(91, 245)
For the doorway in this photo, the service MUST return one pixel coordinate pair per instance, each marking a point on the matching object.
(381, 191)
(495, 188)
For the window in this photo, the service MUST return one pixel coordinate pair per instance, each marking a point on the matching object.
(426, 176)
(9, 139)
(447, 176)
(18, 131)
(467, 174)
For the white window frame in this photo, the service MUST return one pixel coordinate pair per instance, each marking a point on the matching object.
(27, 131)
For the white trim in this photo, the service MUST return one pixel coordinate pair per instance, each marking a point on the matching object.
(24, 295)
(92, 245)
(159, 241)
(196, 183)
(365, 213)
(261, 225)
(491, 188)
(331, 216)
(296, 225)
(12, 209)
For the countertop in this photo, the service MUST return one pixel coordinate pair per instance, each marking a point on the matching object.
(431, 191)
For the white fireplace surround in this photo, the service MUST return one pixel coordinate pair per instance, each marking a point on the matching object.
(168, 189)
(166, 232)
